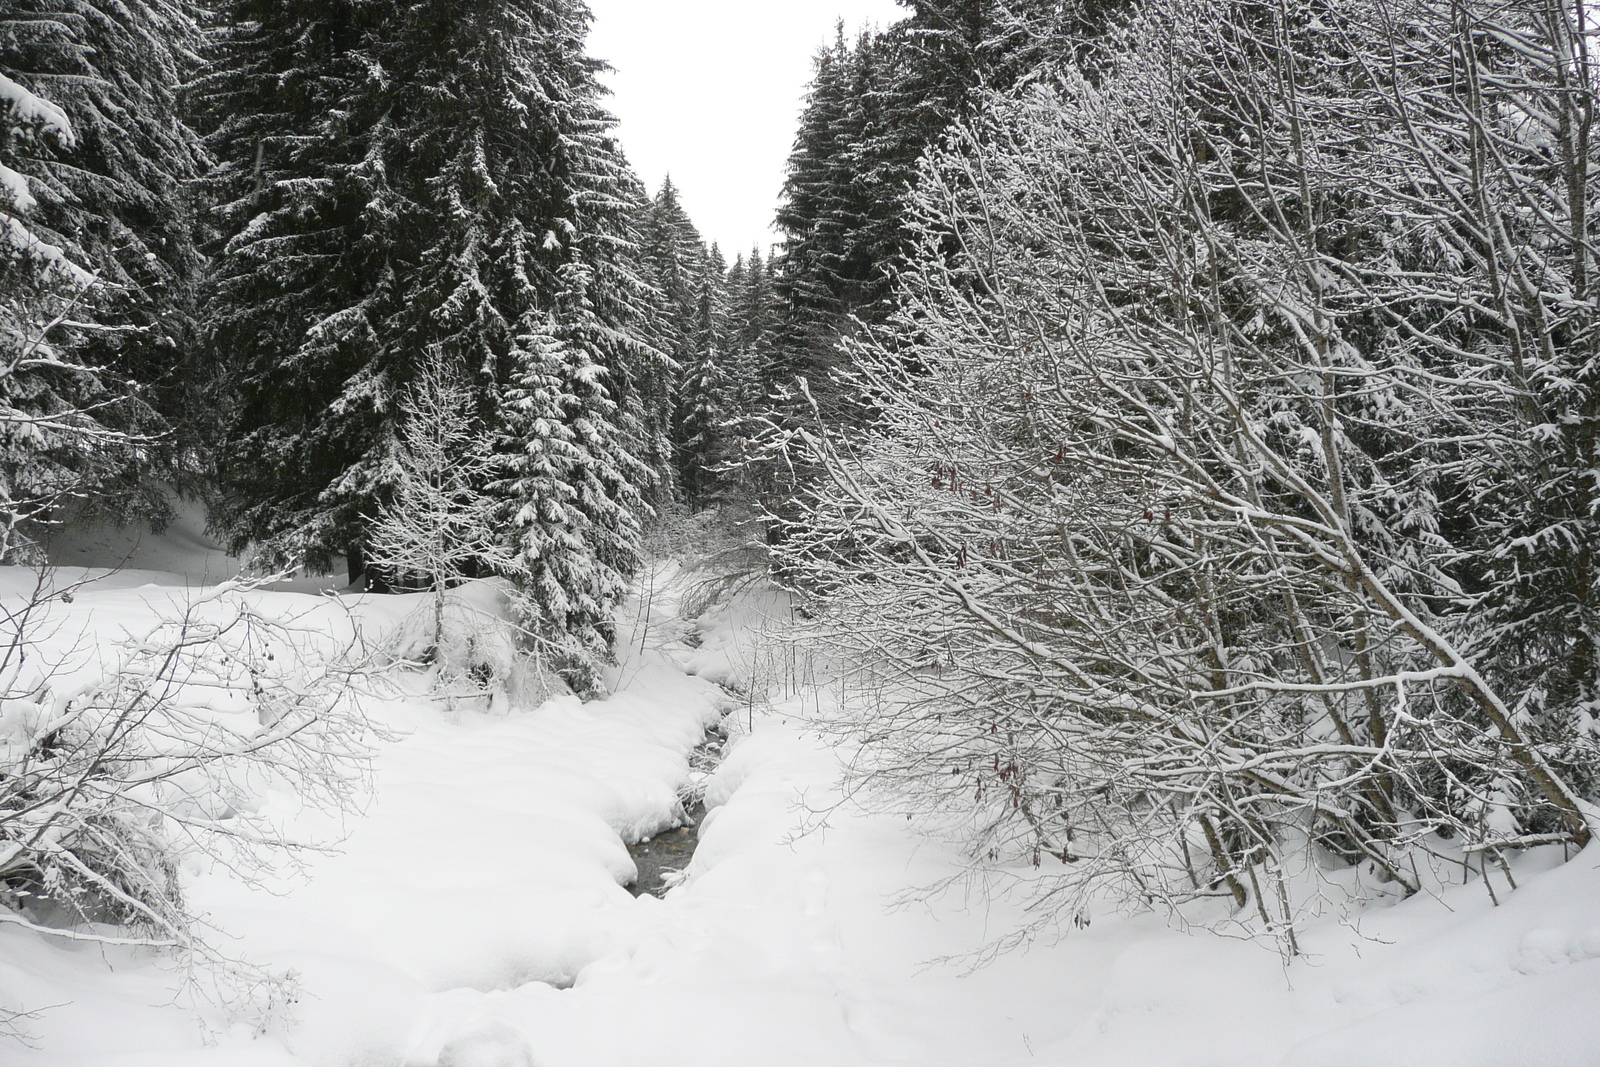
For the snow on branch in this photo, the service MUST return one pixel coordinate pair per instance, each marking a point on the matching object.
(30, 109)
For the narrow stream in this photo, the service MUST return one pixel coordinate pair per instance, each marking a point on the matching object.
(669, 852)
(665, 854)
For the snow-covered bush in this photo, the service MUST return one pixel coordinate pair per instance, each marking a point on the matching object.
(116, 764)
(470, 644)
(1193, 541)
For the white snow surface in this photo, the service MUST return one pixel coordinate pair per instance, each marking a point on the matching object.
(25, 108)
(182, 554)
(474, 916)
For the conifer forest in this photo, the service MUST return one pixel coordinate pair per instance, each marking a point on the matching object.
(1112, 577)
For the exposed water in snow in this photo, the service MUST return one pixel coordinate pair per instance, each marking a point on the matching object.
(661, 860)
(663, 857)
(475, 916)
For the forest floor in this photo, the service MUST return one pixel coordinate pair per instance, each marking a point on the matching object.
(475, 915)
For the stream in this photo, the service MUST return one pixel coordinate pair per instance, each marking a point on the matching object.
(663, 856)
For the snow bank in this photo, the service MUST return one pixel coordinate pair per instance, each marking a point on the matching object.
(475, 915)
(182, 549)
(491, 855)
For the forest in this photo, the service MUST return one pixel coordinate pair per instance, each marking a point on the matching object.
(1171, 427)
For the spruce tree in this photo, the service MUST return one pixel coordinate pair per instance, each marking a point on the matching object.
(433, 187)
(702, 396)
(98, 162)
(817, 218)
(524, 280)
(875, 106)
(573, 491)
(309, 247)
(671, 250)
(672, 258)
(754, 323)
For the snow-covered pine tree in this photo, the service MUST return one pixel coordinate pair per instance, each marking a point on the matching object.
(672, 257)
(702, 394)
(822, 273)
(43, 453)
(573, 490)
(875, 106)
(524, 280)
(312, 237)
(95, 157)
(754, 319)
(461, 183)
(121, 203)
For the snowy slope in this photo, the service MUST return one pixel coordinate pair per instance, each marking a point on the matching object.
(182, 549)
(475, 916)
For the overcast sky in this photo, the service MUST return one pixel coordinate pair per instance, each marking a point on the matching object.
(710, 90)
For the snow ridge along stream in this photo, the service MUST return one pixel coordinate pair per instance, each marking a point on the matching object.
(476, 916)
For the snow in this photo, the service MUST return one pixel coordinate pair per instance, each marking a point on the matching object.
(474, 913)
(182, 554)
(15, 188)
(49, 256)
(29, 109)
(23, 108)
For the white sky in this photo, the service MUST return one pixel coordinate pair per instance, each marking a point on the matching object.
(710, 91)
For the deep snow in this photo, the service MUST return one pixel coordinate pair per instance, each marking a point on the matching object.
(475, 915)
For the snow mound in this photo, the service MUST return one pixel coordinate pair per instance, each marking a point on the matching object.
(182, 549)
(475, 915)
(469, 641)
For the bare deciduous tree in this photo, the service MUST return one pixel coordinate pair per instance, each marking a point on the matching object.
(1167, 548)
(117, 763)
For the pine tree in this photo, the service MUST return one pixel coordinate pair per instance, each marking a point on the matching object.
(98, 159)
(754, 324)
(672, 258)
(702, 395)
(573, 491)
(123, 203)
(310, 244)
(875, 106)
(819, 276)
(673, 254)
(432, 188)
(745, 372)
(411, 183)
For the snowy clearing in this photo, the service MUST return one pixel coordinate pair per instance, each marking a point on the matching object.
(476, 915)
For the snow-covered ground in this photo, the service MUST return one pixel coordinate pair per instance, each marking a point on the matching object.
(474, 915)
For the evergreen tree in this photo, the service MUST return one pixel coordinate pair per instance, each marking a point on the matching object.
(573, 491)
(98, 160)
(673, 255)
(672, 258)
(122, 204)
(826, 271)
(702, 400)
(309, 248)
(874, 108)
(430, 186)
(754, 321)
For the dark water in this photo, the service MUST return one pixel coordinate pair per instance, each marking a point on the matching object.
(668, 851)
(671, 850)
